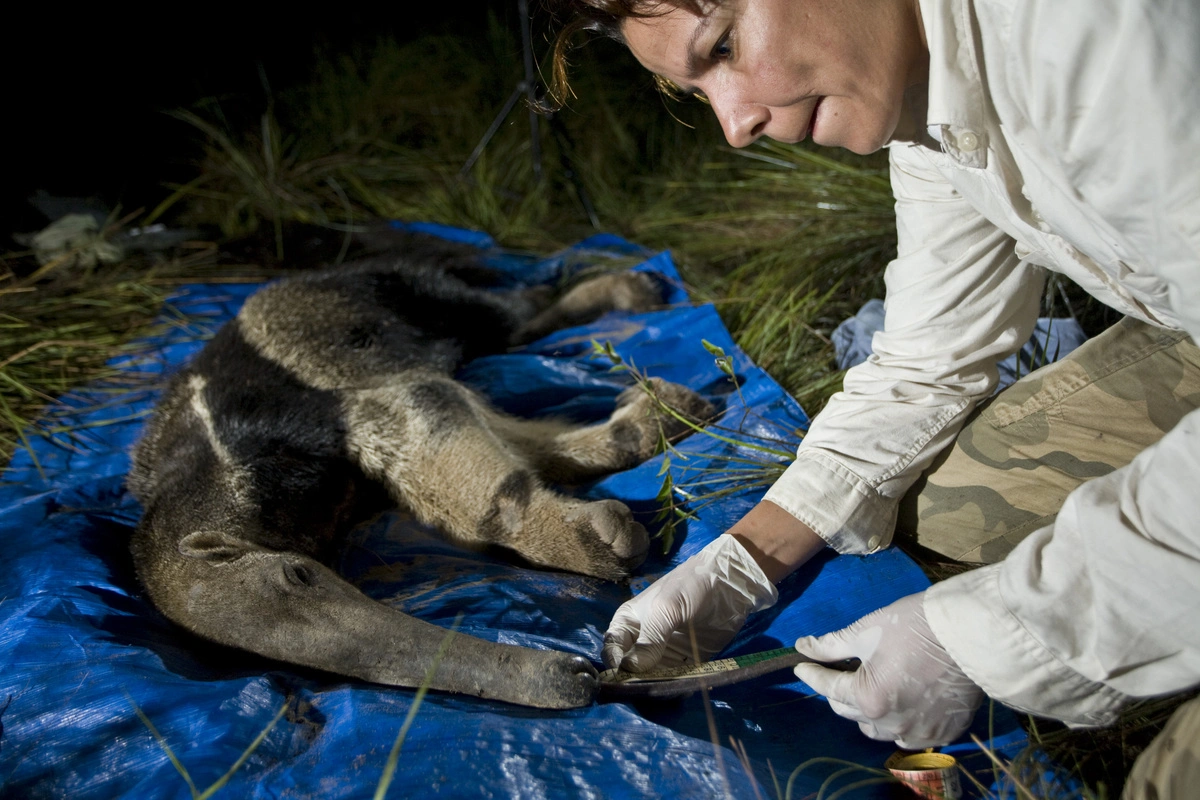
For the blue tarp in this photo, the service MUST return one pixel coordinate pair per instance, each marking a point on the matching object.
(81, 647)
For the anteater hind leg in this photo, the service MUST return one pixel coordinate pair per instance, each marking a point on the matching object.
(290, 607)
(615, 291)
(429, 440)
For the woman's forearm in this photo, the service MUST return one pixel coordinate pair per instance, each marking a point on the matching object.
(779, 542)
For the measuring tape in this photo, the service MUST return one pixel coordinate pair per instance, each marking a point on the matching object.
(688, 678)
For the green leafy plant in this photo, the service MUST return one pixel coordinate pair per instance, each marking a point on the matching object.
(753, 461)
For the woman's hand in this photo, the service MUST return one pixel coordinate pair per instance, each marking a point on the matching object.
(707, 598)
(710, 595)
(908, 689)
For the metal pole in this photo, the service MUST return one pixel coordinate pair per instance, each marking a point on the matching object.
(527, 49)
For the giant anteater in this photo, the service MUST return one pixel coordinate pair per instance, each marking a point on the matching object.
(332, 386)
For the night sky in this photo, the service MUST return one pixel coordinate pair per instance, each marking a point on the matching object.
(85, 87)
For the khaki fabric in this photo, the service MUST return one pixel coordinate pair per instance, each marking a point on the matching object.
(1169, 769)
(1020, 455)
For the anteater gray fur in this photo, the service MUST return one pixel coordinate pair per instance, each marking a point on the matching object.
(333, 386)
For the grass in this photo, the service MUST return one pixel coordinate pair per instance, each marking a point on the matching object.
(393, 759)
(219, 783)
(1102, 757)
(55, 339)
(785, 240)
(389, 767)
(788, 242)
(62, 328)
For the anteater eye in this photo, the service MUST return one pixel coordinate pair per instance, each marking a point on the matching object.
(298, 574)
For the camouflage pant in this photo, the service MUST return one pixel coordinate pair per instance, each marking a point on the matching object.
(1022, 453)
(1019, 456)
(1170, 767)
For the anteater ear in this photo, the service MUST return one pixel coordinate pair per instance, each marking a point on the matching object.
(215, 546)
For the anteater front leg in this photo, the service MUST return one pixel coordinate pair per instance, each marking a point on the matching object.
(291, 608)
(429, 440)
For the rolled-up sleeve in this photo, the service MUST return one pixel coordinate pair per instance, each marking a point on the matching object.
(958, 300)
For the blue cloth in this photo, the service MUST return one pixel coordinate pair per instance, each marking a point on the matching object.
(852, 339)
(1052, 339)
(81, 647)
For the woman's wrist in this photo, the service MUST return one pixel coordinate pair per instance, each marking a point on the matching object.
(779, 542)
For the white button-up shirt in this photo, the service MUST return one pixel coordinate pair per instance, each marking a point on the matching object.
(1062, 135)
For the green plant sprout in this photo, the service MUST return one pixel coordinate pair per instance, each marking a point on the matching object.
(711, 484)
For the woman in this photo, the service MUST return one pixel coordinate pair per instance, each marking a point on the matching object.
(1024, 135)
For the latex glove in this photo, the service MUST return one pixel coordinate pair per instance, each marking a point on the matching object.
(908, 689)
(711, 594)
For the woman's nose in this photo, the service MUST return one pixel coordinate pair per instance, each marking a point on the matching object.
(742, 122)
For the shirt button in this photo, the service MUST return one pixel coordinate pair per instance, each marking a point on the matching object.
(968, 142)
(1039, 220)
(873, 543)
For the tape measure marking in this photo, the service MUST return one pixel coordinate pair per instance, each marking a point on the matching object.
(697, 670)
(683, 680)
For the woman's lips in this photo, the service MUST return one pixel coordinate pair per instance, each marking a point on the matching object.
(812, 119)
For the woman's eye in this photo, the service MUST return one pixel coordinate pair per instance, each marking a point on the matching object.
(723, 49)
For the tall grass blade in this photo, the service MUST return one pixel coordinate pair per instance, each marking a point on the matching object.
(389, 769)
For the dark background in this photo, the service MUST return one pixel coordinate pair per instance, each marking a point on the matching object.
(85, 87)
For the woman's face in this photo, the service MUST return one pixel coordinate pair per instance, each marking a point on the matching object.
(836, 70)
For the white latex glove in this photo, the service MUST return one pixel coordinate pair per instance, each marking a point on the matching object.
(711, 594)
(908, 689)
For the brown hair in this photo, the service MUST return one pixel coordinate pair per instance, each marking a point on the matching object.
(601, 17)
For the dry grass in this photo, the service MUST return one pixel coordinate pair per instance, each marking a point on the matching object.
(788, 242)
(63, 327)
